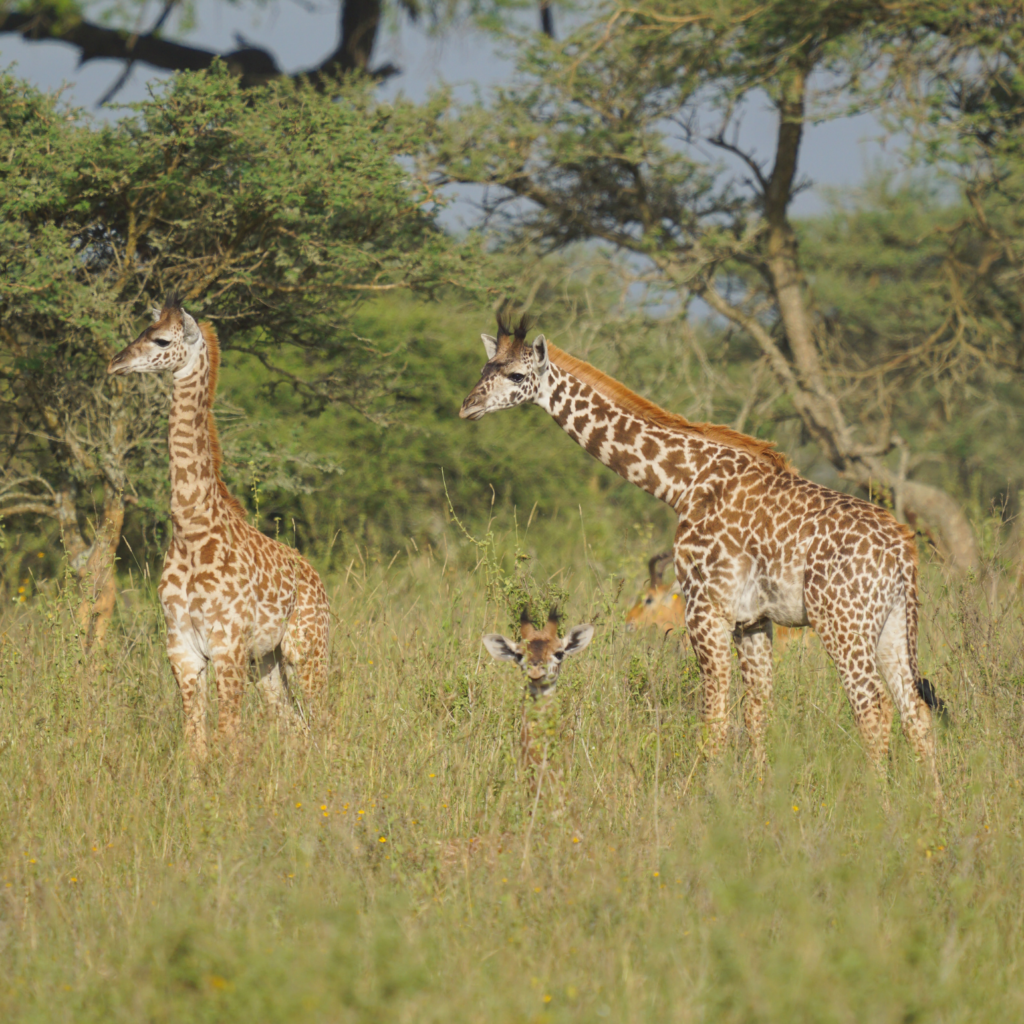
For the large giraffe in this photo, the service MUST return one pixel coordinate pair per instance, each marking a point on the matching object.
(756, 544)
(229, 593)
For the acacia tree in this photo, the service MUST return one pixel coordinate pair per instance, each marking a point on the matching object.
(273, 214)
(627, 134)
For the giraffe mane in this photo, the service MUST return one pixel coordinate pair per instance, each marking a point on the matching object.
(213, 350)
(633, 403)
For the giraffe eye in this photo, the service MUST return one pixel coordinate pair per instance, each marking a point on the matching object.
(162, 342)
(516, 378)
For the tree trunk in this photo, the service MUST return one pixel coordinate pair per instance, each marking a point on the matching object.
(547, 19)
(922, 504)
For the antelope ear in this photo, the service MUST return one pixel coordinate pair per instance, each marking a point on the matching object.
(190, 328)
(501, 648)
(490, 344)
(540, 355)
(157, 313)
(577, 638)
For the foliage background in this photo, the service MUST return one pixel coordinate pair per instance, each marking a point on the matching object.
(398, 866)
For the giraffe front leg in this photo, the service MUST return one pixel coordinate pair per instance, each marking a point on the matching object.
(754, 646)
(190, 671)
(230, 672)
(709, 634)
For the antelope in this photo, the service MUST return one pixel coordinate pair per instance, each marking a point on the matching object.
(662, 604)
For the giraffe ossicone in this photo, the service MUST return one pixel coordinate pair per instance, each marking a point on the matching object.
(756, 544)
(230, 595)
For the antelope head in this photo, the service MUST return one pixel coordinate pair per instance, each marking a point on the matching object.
(662, 604)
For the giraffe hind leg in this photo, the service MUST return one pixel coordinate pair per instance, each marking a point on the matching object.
(910, 696)
(273, 685)
(853, 652)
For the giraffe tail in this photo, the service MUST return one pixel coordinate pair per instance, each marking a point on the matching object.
(924, 688)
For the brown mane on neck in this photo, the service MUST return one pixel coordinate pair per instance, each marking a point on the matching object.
(213, 351)
(611, 389)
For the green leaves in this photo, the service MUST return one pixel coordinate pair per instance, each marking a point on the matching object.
(275, 212)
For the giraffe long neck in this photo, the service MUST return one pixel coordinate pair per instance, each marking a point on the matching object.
(655, 457)
(195, 484)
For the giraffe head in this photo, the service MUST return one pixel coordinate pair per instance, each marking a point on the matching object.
(541, 652)
(662, 604)
(172, 342)
(514, 372)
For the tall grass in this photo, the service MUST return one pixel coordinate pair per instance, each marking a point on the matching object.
(398, 867)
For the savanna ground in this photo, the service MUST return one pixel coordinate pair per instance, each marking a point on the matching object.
(397, 867)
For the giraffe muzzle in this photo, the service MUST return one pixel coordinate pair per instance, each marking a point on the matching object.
(118, 365)
(472, 409)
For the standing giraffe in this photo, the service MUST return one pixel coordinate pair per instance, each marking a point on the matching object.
(229, 593)
(756, 544)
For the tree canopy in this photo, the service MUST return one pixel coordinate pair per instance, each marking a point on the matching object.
(274, 218)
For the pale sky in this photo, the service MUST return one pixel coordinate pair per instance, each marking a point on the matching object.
(837, 153)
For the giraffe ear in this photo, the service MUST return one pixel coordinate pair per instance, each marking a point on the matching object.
(577, 638)
(540, 355)
(157, 313)
(190, 329)
(501, 648)
(490, 344)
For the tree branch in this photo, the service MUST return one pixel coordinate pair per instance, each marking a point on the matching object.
(30, 508)
(547, 19)
(254, 66)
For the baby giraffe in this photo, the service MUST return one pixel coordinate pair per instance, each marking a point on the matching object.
(541, 652)
(540, 656)
(229, 593)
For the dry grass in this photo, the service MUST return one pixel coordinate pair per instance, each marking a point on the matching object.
(397, 869)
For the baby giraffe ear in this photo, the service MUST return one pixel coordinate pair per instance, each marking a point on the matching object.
(577, 638)
(501, 648)
(190, 328)
(490, 344)
(540, 355)
(157, 313)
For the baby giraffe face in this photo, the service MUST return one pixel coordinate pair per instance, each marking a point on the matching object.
(171, 342)
(541, 652)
